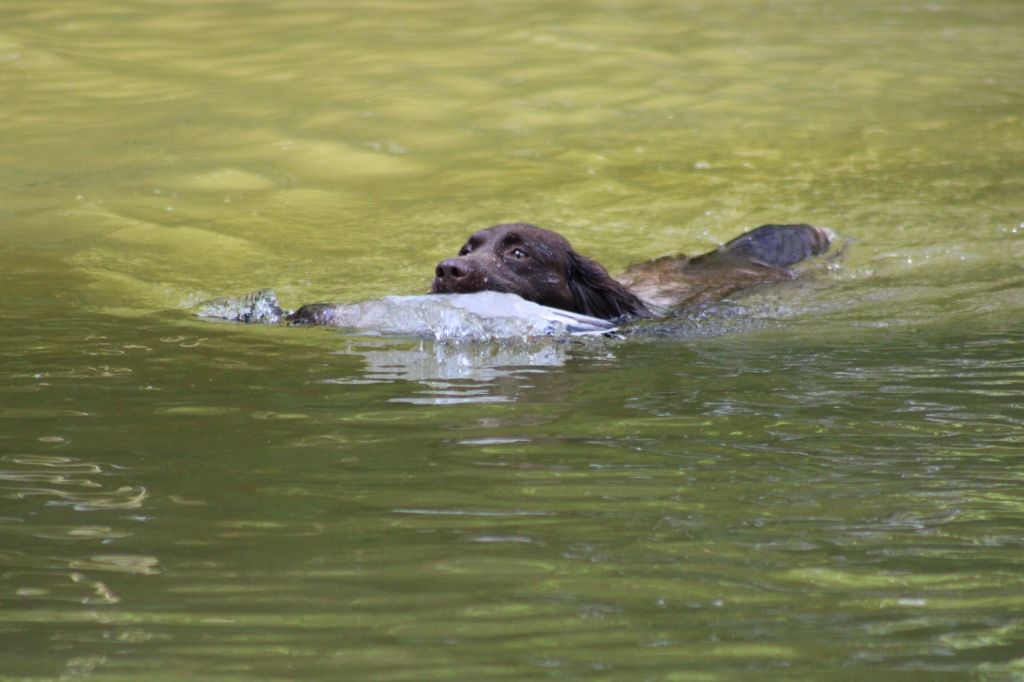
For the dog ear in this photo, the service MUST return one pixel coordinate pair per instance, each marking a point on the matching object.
(596, 294)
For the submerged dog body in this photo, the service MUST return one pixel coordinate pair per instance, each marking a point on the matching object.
(541, 266)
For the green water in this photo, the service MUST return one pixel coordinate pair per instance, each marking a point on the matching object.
(822, 483)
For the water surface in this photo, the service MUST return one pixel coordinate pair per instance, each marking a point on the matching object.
(820, 480)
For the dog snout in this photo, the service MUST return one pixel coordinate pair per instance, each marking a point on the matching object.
(456, 275)
(451, 270)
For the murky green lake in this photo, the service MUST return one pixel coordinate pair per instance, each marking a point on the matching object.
(823, 480)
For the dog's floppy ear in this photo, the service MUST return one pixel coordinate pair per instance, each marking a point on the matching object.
(596, 294)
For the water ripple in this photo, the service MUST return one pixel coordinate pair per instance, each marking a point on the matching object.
(67, 477)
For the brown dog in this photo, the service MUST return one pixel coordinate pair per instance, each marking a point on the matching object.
(541, 266)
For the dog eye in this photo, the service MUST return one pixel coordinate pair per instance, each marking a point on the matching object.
(518, 254)
(464, 250)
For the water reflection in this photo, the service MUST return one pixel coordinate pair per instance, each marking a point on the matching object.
(456, 373)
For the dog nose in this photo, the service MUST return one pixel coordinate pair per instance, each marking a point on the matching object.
(451, 269)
